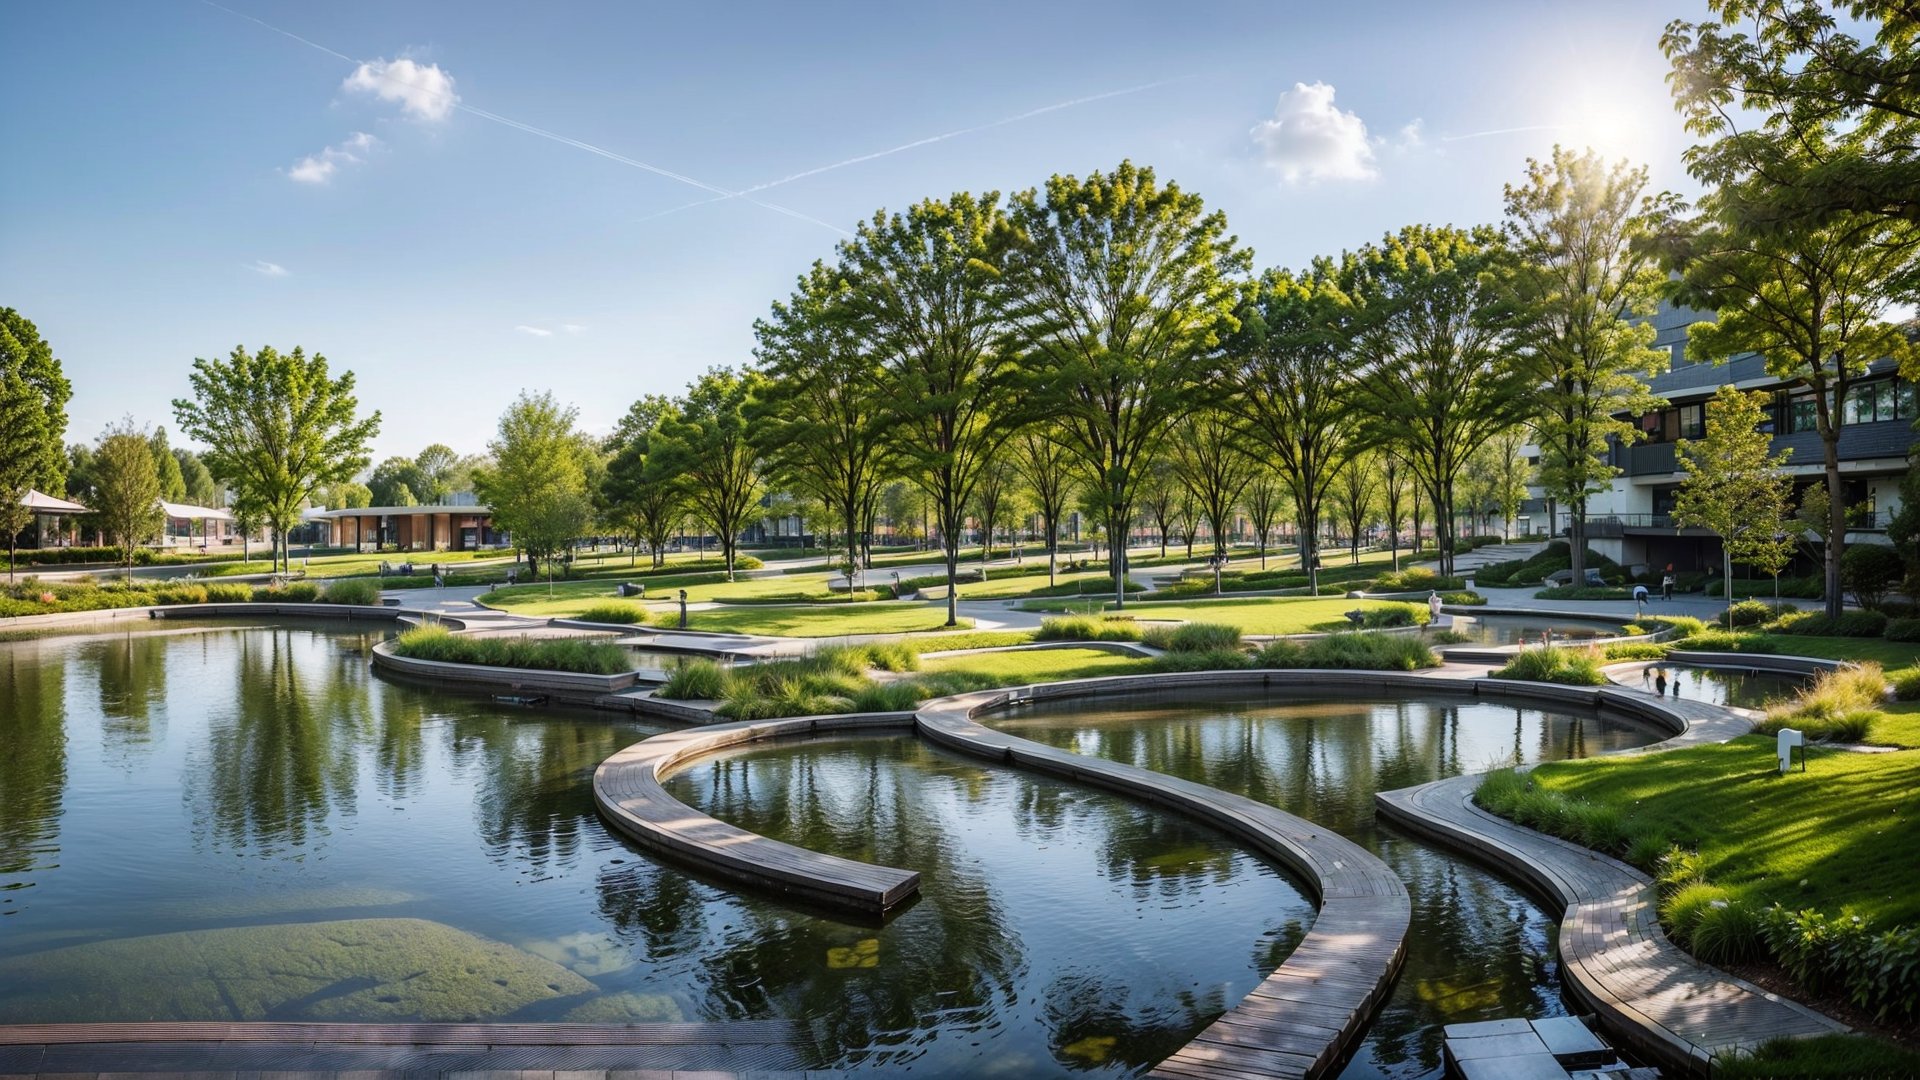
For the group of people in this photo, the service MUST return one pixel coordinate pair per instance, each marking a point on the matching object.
(1640, 595)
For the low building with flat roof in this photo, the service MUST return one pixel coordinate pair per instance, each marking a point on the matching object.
(410, 528)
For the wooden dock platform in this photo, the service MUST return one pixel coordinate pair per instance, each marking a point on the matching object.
(628, 789)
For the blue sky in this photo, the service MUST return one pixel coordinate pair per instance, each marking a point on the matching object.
(181, 179)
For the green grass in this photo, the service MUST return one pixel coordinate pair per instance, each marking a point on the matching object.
(1858, 1056)
(1260, 615)
(1035, 666)
(976, 639)
(1821, 839)
(1574, 667)
(824, 620)
(580, 655)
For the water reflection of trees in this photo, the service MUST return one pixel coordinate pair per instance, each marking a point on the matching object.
(946, 963)
(131, 672)
(534, 802)
(33, 757)
(283, 758)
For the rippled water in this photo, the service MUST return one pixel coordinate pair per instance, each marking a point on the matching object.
(1480, 947)
(1720, 686)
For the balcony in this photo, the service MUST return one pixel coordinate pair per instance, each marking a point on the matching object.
(1607, 525)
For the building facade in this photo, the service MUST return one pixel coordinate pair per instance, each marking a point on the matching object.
(410, 528)
(1631, 522)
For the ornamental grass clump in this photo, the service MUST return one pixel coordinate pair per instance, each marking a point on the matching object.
(1839, 707)
(695, 680)
(1571, 667)
(358, 591)
(1087, 628)
(1350, 651)
(618, 612)
(577, 655)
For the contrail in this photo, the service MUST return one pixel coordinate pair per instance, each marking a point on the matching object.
(564, 140)
(915, 144)
(1503, 131)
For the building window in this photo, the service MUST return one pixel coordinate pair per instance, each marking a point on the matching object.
(1802, 415)
(1693, 421)
(1878, 402)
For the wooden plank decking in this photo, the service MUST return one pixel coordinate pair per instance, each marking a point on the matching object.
(1668, 1007)
(1300, 1020)
(627, 788)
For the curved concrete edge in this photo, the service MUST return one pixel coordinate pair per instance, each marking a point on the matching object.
(629, 791)
(1774, 662)
(1117, 648)
(573, 686)
(1586, 920)
(1304, 1016)
(194, 611)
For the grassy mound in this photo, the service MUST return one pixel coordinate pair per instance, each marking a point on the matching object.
(539, 654)
(1573, 667)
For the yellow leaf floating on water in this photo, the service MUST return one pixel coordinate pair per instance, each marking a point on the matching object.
(1093, 1048)
(864, 955)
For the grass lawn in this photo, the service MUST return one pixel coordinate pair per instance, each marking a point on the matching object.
(1037, 665)
(1017, 585)
(1888, 654)
(824, 620)
(1840, 835)
(1253, 615)
(573, 597)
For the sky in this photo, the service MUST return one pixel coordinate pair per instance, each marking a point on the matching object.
(459, 201)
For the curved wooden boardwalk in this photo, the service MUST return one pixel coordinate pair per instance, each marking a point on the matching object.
(1651, 995)
(628, 790)
(1301, 1019)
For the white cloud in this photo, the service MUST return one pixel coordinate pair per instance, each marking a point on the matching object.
(424, 91)
(534, 330)
(575, 329)
(267, 269)
(319, 168)
(1309, 138)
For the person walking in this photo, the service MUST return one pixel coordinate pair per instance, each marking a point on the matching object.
(1666, 584)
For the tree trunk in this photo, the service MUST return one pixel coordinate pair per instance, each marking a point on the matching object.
(1577, 540)
(952, 552)
(1836, 525)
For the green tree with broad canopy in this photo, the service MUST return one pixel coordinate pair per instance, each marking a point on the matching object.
(537, 486)
(1735, 485)
(921, 297)
(638, 491)
(126, 489)
(704, 441)
(33, 422)
(279, 428)
(1119, 291)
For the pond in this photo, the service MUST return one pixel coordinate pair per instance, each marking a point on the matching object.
(244, 823)
(1515, 629)
(1480, 948)
(1738, 687)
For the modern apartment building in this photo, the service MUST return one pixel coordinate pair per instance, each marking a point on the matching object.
(1631, 522)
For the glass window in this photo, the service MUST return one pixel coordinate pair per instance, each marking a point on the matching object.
(1885, 403)
(1693, 422)
(1802, 415)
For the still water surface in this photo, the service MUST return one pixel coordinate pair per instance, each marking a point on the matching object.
(1480, 948)
(224, 823)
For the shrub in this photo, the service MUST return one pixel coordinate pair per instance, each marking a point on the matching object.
(613, 611)
(1819, 1057)
(1679, 867)
(1906, 683)
(1204, 637)
(893, 656)
(363, 591)
(1682, 909)
(1683, 626)
(435, 642)
(1463, 599)
(1749, 613)
(180, 594)
(903, 696)
(695, 680)
(1086, 628)
(1871, 571)
(1846, 624)
(1584, 592)
(1636, 650)
(294, 592)
(1389, 616)
(1647, 850)
(1729, 641)
(1728, 933)
(1806, 588)
(1902, 630)
(1447, 637)
(1203, 660)
(228, 592)
(1573, 667)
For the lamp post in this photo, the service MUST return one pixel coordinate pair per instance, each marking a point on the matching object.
(683, 609)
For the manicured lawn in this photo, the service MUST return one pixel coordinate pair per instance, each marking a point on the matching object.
(1031, 584)
(1840, 835)
(976, 639)
(1253, 615)
(824, 620)
(1888, 654)
(1037, 665)
(573, 597)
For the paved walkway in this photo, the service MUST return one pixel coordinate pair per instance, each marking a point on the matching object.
(1666, 1006)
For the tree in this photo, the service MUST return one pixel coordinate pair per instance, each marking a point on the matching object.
(1395, 495)
(819, 421)
(1851, 99)
(348, 495)
(1870, 572)
(1291, 380)
(33, 422)
(436, 467)
(201, 488)
(993, 499)
(537, 484)
(1586, 282)
(127, 488)
(279, 427)
(396, 481)
(1045, 465)
(1120, 291)
(921, 299)
(1734, 485)
(1811, 300)
(1263, 500)
(1438, 375)
(1354, 490)
(1208, 459)
(704, 441)
(637, 490)
(1160, 493)
(173, 485)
